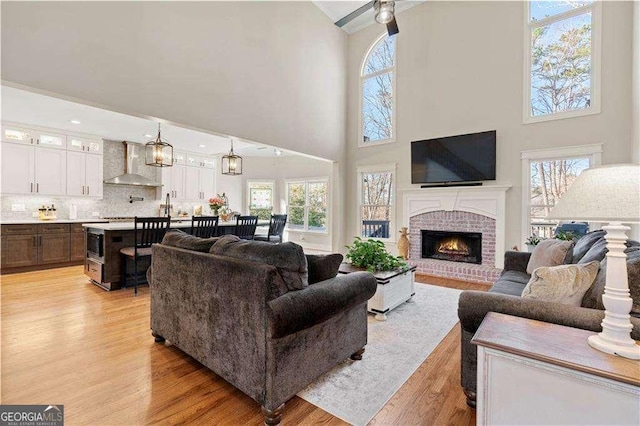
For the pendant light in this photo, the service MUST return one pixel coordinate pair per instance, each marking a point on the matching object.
(231, 163)
(384, 11)
(158, 153)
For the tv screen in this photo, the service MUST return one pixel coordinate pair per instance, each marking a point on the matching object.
(463, 158)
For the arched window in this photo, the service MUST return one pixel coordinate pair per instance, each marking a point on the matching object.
(377, 120)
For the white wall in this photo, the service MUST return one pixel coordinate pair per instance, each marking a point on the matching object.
(460, 70)
(272, 72)
(636, 82)
(279, 170)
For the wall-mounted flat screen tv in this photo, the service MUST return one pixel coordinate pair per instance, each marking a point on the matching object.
(463, 158)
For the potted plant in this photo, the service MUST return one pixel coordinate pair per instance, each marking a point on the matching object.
(372, 255)
(532, 242)
(566, 236)
(215, 204)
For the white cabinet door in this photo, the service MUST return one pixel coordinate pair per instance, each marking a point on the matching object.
(178, 182)
(192, 183)
(17, 169)
(51, 171)
(51, 140)
(207, 183)
(93, 175)
(209, 162)
(18, 135)
(76, 171)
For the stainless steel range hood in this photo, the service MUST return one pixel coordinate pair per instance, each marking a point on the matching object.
(131, 176)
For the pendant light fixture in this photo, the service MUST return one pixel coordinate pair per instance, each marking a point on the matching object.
(158, 153)
(384, 11)
(231, 163)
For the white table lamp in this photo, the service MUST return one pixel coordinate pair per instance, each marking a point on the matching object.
(609, 194)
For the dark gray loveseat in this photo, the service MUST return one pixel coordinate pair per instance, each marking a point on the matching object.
(245, 320)
(504, 297)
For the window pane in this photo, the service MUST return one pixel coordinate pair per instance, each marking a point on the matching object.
(317, 195)
(377, 107)
(260, 196)
(296, 217)
(296, 194)
(376, 188)
(561, 66)
(551, 179)
(544, 9)
(375, 221)
(317, 219)
(381, 56)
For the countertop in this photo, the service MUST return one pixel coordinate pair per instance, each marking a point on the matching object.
(125, 226)
(38, 221)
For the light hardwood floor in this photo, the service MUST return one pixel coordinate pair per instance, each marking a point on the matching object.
(65, 341)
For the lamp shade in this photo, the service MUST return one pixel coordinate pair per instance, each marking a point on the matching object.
(602, 194)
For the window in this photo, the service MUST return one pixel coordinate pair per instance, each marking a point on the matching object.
(377, 90)
(260, 198)
(549, 174)
(377, 201)
(307, 205)
(562, 66)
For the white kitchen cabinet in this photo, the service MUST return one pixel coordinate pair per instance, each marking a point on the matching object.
(199, 183)
(84, 174)
(15, 134)
(173, 181)
(50, 171)
(18, 164)
(27, 169)
(207, 183)
(33, 136)
(93, 146)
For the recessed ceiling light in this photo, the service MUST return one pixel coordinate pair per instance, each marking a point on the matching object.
(277, 152)
(148, 136)
(75, 121)
(202, 146)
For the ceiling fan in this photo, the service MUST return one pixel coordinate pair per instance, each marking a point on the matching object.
(384, 13)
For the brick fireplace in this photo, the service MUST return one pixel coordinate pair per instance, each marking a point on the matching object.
(458, 232)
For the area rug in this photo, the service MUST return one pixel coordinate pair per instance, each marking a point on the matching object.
(356, 391)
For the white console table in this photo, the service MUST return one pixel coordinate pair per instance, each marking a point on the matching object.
(394, 288)
(536, 373)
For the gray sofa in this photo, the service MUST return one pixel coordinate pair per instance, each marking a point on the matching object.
(504, 297)
(258, 325)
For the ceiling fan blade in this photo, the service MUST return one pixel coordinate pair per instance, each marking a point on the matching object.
(392, 27)
(353, 15)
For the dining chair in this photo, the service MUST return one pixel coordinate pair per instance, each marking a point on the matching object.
(204, 226)
(276, 229)
(246, 227)
(148, 231)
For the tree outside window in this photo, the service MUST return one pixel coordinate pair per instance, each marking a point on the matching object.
(376, 203)
(561, 70)
(261, 199)
(307, 205)
(550, 179)
(377, 92)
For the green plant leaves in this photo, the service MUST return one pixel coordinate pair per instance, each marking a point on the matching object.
(373, 255)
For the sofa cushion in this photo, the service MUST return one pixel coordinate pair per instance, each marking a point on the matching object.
(519, 277)
(565, 284)
(593, 297)
(323, 267)
(598, 251)
(551, 252)
(287, 257)
(180, 239)
(509, 287)
(584, 244)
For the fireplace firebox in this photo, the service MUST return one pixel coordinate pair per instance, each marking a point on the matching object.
(452, 246)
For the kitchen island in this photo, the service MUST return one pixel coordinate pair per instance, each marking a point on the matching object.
(103, 262)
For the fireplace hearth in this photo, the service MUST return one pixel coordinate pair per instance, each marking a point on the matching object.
(452, 246)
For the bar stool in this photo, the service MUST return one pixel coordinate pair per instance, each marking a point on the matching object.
(204, 226)
(147, 231)
(276, 228)
(246, 227)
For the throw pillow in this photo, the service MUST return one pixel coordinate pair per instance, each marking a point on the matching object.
(584, 244)
(561, 284)
(550, 252)
(593, 297)
(180, 239)
(287, 257)
(598, 251)
(323, 267)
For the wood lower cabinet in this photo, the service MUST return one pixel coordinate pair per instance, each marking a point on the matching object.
(38, 246)
(19, 251)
